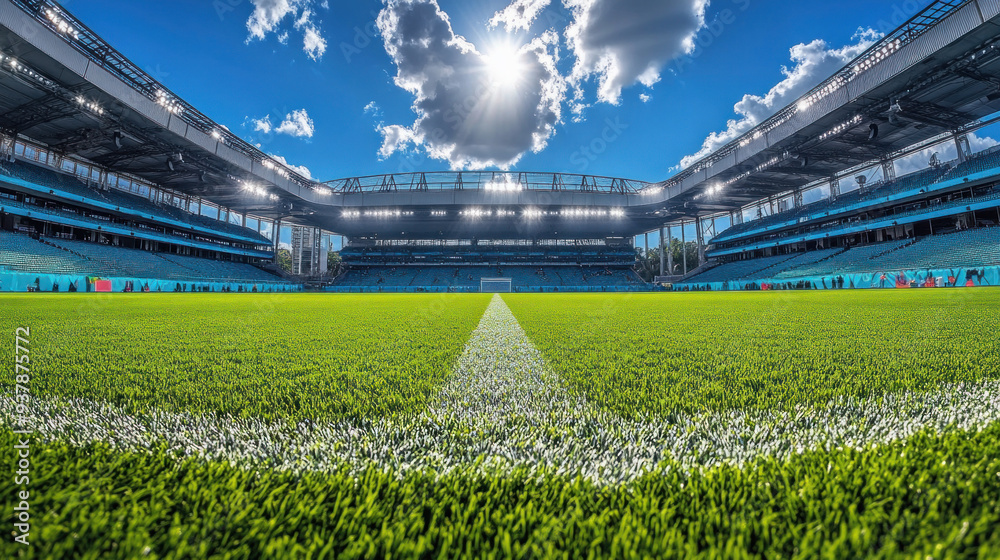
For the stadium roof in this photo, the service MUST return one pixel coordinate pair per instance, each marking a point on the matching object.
(62, 85)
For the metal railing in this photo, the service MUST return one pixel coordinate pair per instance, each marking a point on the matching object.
(85, 41)
(490, 181)
(892, 42)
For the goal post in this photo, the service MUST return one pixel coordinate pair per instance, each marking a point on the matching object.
(495, 285)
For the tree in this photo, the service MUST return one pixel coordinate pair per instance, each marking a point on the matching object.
(648, 265)
(334, 264)
(284, 260)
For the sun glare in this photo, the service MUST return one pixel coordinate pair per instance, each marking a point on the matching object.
(505, 64)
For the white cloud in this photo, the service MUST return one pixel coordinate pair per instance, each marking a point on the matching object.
(268, 15)
(813, 63)
(624, 42)
(298, 124)
(519, 15)
(946, 152)
(300, 169)
(464, 114)
(645, 97)
(262, 124)
(314, 44)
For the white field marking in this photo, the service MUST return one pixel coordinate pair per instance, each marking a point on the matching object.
(503, 409)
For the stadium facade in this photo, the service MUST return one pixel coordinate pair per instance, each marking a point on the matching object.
(109, 181)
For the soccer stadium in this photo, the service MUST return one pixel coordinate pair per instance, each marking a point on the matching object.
(786, 347)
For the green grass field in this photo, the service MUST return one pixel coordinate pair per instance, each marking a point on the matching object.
(754, 425)
(269, 356)
(664, 353)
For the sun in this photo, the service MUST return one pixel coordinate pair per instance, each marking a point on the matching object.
(505, 64)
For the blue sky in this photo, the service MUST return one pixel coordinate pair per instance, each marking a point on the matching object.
(200, 49)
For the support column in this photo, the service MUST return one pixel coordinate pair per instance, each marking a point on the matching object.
(670, 250)
(834, 188)
(645, 238)
(700, 233)
(317, 246)
(277, 235)
(663, 254)
(797, 198)
(888, 170)
(684, 253)
(962, 144)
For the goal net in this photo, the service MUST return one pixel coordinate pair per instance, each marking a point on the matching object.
(495, 285)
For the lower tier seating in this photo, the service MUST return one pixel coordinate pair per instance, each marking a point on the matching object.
(969, 248)
(22, 253)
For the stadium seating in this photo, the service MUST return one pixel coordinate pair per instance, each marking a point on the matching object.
(826, 207)
(977, 163)
(21, 253)
(976, 247)
(738, 270)
(471, 276)
(127, 203)
(969, 248)
(856, 259)
(57, 215)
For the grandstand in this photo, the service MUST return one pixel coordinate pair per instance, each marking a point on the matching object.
(104, 172)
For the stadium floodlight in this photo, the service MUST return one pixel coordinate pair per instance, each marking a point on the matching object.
(438, 213)
(92, 106)
(61, 24)
(533, 213)
(841, 128)
(476, 213)
(167, 102)
(254, 189)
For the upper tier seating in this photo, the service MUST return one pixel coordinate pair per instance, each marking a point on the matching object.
(125, 201)
(825, 207)
(977, 163)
